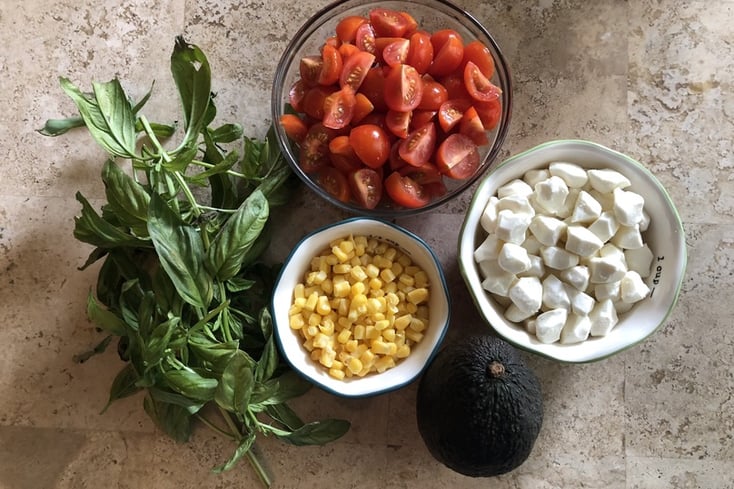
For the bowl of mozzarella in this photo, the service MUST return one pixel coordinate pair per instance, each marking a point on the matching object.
(573, 251)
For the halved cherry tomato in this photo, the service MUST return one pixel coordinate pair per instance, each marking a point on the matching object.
(411, 23)
(448, 52)
(421, 118)
(489, 113)
(313, 101)
(339, 108)
(346, 28)
(455, 86)
(403, 88)
(296, 94)
(371, 144)
(398, 122)
(396, 53)
(405, 191)
(435, 189)
(434, 94)
(310, 68)
(294, 127)
(478, 53)
(451, 112)
(388, 23)
(373, 87)
(335, 183)
(426, 173)
(331, 66)
(366, 185)
(342, 155)
(471, 126)
(395, 161)
(355, 69)
(362, 107)
(346, 50)
(478, 85)
(420, 52)
(457, 157)
(365, 38)
(314, 151)
(418, 147)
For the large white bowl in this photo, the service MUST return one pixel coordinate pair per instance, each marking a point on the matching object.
(665, 237)
(293, 271)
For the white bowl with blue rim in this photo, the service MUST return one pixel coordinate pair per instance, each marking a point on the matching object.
(665, 237)
(294, 271)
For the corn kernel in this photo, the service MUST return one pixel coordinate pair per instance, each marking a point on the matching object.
(371, 332)
(413, 335)
(389, 334)
(327, 327)
(406, 279)
(384, 363)
(359, 332)
(416, 296)
(340, 255)
(405, 260)
(311, 301)
(417, 325)
(322, 305)
(344, 336)
(337, 373)
(380, 347)
(354, 365)
(402, 322)
(296, 321)
(358, 273)
(403, 351)
(298, 292)
(327, 357)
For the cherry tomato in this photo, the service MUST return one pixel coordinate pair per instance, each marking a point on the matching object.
(296, 94)
(346, 28)
(448, 52)
(435, 189)
(310, 68)
(478, 85)
(451, 112)
(421, 118)
(418, 147)
(331, 66)
(373, 87)
(395, 161)
(457, 157)
(342, 155)
(355, 69)
(396, 53)
(434, 94)
(294, 127)
(420, 52)
(389, 23)
(362, 107)
(426, 173)
(489, 113)
(339, 108)
(403, 88)
(366, 186)
(335, 183)
(365, 39)
(371, 144)
(314, 154)
(313, 101)
(405, 191)
(455, 86)
(411, 24)
(346, 50)
(476, 52)
(471, 126)
(398, 122)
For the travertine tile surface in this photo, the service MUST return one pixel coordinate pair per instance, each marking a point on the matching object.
(651, 78)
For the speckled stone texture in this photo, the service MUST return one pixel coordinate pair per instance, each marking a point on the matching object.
(651, 78)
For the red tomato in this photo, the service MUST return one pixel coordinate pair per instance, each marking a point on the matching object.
(313, 101)
(335, 183)
(479, 54)
(294, 127)
(355, 69)
(420, 52)
(478, 85)
(366, 186)
(448, 49)
(365, 39)
(331, 66)
(346, 50)
(362, 107)
(421, 118)
(435, 189)
(314, 154)
(403, 88)
(434, 94)
(426, 173)
(396, 52)
(310, 68)
(373, 87)
(296, 94)
(418, 147)
(395, 161)
(457, 157)
(471, 126)
(389, 23)
(398, 122)
(346, 29)
(411, 24)
(405, 191)
(339, 108)
(455, 86)
(342, 155)
(371, 144)
(451, 112)
(489, 113)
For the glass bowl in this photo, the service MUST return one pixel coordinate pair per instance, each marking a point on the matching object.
(431, 16)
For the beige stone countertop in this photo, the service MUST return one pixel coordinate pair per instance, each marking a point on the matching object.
(651, 78)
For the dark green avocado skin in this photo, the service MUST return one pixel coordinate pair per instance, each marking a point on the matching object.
(474, 423)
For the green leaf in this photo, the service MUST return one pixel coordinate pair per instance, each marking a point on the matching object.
(269, 360)
(191, 384)
(92, 229)
(243, 447)
(211, 353)
(172, 419)
(316, 432)
(223, 166)
(108, 116)
(159, 340)
(57, 127)
(105, 319)
(124, 385)
(126, 198)
(181, 253)
(192, 75)
(284, 415)
(237, 236)
(191, 406)
(227, 133)
(98, 348)
(235, 386)
(281, 389)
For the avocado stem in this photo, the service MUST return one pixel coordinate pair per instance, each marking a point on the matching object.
(496, 369)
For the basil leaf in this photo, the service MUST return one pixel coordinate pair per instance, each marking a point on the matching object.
(124, 385)
(126, 197)
(242, 448)
(211, 353)
(92, 229)
(159, 340)
(105, 319)
(222, 167)
(237, 236)
(191, 406)
(181, 253)
(190, 384)
(227, 133)
(192, 75)
(57, 127)
(173, 420)
(281, 389)
(316, 432)
(98, 348)
(108, 116)
(284, 415)
(235, 386)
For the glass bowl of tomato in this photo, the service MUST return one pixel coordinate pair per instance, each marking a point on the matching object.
(391, 108)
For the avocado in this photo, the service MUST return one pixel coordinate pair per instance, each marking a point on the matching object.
(479, 408)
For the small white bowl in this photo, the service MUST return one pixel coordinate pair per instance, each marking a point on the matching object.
(665, 237)
(293, 272)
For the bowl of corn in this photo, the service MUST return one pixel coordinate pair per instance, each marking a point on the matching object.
(360, 307)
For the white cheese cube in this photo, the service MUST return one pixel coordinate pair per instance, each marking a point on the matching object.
(497, 281)
(576, 329)
(536, 269)
(577, 276)
(603, 318)
(530, 326)
(534, 177)
(645, 223)
(571, 173)
(566, 209)
(640, 260)
(586, 209)
(581, 241)
(511, 226)
(555, 295)
(605, 226)
(551, 193)
(532, 245)
(606, 291)
(527, 294)
(558, 258)
(628, 237)
(513, 258)
(622, 307)
(489, 249)
(606, 199)
(516, 315)
(548, 325)
(515, 187)
(605, 269)
(628, 207)
(517, 204)
(609, 250)
(488, 219)
(632, 288)
(607, 180)
(546, 229)
(581, 302)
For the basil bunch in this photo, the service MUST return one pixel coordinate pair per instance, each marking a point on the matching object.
(182, 286)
